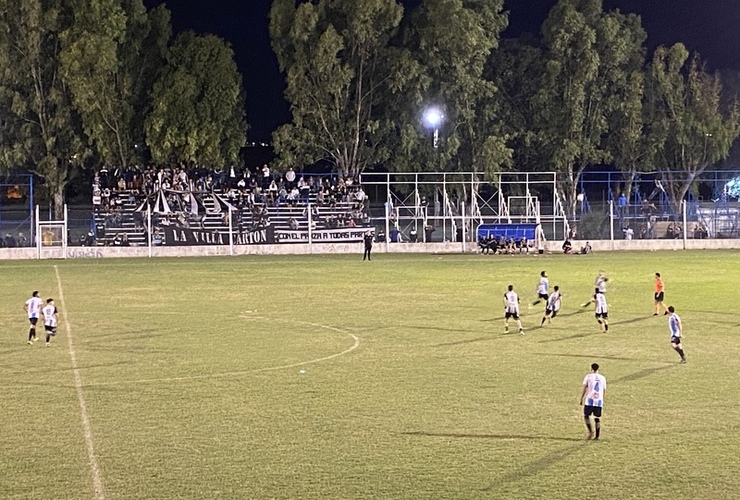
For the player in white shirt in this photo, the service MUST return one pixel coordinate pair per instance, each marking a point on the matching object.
(600, 284)
(676, 328)
(50, 320)
(602, 310)
(511, 309)
(592, 399)
(553, 305)
(543, 288)
(33, 308)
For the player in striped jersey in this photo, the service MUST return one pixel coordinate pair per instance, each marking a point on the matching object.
(602, 310)
(553, 305)
(50, 320)
(543, 288)
(33, 308)
(600, 285)
(676, 328)
(511, 309)
(592, 399)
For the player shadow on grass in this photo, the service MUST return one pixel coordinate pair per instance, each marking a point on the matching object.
(570, 337)
(461, 435)
(536, 466)
(588, 356)
(642, 373)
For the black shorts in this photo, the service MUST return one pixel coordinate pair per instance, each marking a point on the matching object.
(508, 315)
(550, 312)
(592, 410)
(50, 329)
(33, 321)
(675, 340)
(602, 315)
(543, 296)
(659, 297)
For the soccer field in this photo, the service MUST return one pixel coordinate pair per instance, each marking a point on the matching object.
(325, 377)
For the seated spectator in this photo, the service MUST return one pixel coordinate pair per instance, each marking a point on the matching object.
(413, 236)
(293, 223)
(586, 249)
(628, 233)
(567, 247)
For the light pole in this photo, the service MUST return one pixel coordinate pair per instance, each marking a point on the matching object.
(433, 118)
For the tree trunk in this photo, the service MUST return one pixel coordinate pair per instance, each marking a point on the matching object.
(57, 194)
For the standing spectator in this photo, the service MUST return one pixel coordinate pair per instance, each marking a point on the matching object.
(368, 240)
(265, 176)
(290, 178)
(396, 236)
(428, 230)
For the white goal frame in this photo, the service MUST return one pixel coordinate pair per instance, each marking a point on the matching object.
(49, 243)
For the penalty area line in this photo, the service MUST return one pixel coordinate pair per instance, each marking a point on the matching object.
(97, 476)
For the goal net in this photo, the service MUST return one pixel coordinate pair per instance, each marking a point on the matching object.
(51, 237)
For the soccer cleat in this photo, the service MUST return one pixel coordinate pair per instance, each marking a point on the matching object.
(591, 436)
(30, 342)
(655, 314)
(683, 361)
(521, 331)
(506, 329)
(48, 344)
(665, 313)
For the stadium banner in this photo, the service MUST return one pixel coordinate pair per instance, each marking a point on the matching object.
(341, 235)
(181, 236)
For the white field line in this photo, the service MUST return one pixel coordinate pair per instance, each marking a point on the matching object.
(354, 346)
(86, 426)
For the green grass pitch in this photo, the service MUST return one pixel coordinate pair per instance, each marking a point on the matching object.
(325, 377)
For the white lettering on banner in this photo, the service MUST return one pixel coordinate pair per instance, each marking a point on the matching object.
(346, 235)
(253, 238)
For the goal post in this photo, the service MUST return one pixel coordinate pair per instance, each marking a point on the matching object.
(51, 237)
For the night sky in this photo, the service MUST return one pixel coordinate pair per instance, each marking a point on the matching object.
(711, 27)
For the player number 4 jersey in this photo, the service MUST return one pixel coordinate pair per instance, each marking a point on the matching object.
(674, 324)
(34, 307)
(595, 386)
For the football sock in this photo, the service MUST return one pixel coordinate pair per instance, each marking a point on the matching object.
(588, 424)
(597, 421)
(606, 326)
(31, 334)
(680, 353)
(543, 321)
(48, 337)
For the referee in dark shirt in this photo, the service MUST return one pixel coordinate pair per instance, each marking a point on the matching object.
(368, 238)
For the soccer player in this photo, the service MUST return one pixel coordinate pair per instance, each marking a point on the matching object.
(50, 320)
(592, 399)
(602, 310)
(511, 308)
(368, 240)
(600, 282)
(542, 289)
(676, 328)
(33, 308)
(659, 296)
(553, 306)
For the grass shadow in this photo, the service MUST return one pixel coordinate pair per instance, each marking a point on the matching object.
(587, 356)
(461, 435)
(571, 337)
(642, 373)
(630, 321)
(541, 464)
(462, 342)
